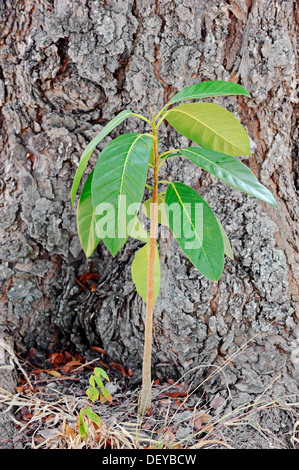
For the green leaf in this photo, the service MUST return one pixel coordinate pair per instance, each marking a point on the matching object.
(139, 271)
(210, 126)
(196, 229)
(92, 416)
(82, 425)
(86, 220)
(230, 170)
(101, 373)
(162, 217)
(83, 433)
(226, 243)
(92, 393)
(208, 89)
(99, 382)
(118, 186)
(106, 393)
(91, 381)
(92, 145)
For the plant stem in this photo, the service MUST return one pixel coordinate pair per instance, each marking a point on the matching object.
(160, 112)
(162, 119)
(146, 392)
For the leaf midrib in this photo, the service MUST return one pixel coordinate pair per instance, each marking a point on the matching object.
(126, 161)
(251, 188)
(123, 173)
(91, 147)
(201, 95)
(216, 164)
(205, 125)
(201, 243)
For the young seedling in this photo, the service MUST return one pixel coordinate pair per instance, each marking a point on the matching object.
(111, 197)
(94, 392)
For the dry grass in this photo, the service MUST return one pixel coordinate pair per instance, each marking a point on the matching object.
(49, 421)
(53, 424)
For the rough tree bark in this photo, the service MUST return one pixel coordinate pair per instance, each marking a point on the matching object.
(66, 68)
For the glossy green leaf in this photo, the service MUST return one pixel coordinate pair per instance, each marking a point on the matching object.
(208, 89)
(99, 381)
(210, 126)
(101, 373)
(139, 271)
(230, 170)
(118, 185)
(92, 393)
(92, 416)
(91, 381)
(106, 393)
(83, 433)
(82, 425)
(162, 217)
(228, 251)
(196, 229)
(86, 220)
(92, 145)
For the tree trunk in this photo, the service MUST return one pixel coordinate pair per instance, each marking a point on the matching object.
(68, 67)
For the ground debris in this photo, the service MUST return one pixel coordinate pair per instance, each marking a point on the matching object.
(46, 405)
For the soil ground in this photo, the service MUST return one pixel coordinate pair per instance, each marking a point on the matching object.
(50, 391)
